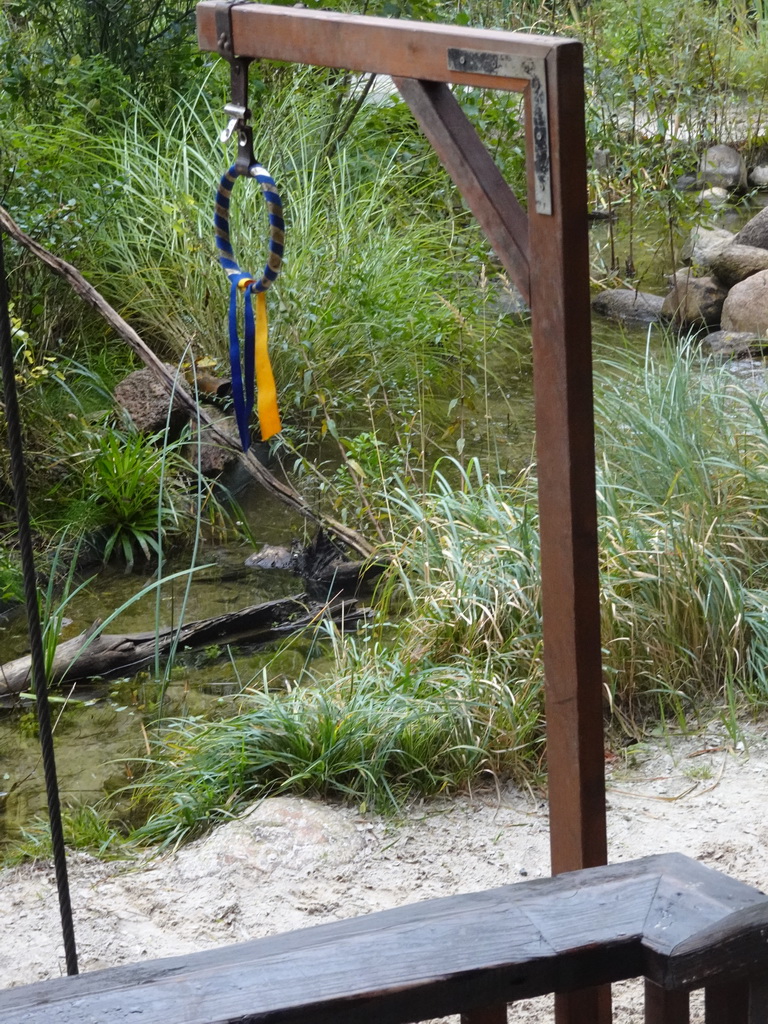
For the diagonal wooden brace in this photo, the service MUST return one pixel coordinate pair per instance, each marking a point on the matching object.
(472, 169)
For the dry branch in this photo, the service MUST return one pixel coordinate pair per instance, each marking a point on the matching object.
(287, 494)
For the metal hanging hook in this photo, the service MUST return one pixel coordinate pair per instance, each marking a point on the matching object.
(237, 109)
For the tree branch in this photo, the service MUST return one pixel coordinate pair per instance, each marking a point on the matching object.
(281, 490)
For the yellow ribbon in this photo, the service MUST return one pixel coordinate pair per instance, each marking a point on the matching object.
(266, 391)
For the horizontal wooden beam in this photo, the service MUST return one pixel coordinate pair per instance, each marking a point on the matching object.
(402, 49)
(466, 954)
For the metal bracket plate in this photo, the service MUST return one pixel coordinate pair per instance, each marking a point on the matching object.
(530, 69)
(223, 17)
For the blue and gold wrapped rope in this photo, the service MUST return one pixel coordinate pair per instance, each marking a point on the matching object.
(256, 365)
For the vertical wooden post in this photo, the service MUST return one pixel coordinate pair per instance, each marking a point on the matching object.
(663, 1007)
(562, 378)
(727, 1004)
(565, 454)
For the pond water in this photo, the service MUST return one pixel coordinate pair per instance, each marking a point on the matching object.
(97, 736)
(104, 722)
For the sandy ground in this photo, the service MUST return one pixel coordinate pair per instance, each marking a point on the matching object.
(292, 863)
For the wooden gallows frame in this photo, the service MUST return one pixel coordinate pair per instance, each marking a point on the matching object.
(545, 253)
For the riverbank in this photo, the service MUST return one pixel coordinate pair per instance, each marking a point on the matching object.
(293, 863)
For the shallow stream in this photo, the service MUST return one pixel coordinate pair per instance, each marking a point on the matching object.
(97, 736)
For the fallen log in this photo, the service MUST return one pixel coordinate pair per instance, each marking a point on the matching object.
(92, 654)
(283, 491)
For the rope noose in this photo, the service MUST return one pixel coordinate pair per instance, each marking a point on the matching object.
(255, 363)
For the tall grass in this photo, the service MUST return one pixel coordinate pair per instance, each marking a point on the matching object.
(448, 683)
(418, 707)
(384, 733)
(683, 501)
(363, 297)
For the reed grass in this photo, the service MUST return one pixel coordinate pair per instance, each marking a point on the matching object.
(363, 295)
(85, 828)
(384, 733)
(683, 500)
(448, 683)
(372, 308)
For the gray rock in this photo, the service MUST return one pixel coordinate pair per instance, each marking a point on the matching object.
(746, 308)
(272, 556)
(505, 298)
(283, 835)
(738, 262)
(714, 196)
(629, 307)
(694, 301)
(755, 231)
(213, 457)
(705, 243)
(758, 176)
(601, 159)
(145, 400)
(734, 344)
(688, 182)
(723, 166)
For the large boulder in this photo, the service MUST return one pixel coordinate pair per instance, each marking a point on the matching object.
(724, 167)
(145, 400)
(704, 244)
(758, 176)
(734, 344)
(283, 836)
(746, 308)
(694, 301)
(755, 231)
(628, 306)
(689, 183)
(203, 449)
(715, 196)
(737, 262)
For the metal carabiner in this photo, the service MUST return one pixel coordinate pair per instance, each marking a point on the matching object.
(236, 116)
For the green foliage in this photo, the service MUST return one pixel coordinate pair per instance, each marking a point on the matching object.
(11, 588)
(364, 297)
(77, 53)
(468, 566)
(418, 708)
(651, 106)
(383, 733)
(380, 313)
(498, 118)
(123, 478)
(114, 495)
(121, 492)
(85, 828)
(447, 683)
(683, 505)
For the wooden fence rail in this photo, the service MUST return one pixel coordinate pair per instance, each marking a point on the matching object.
(668, 918)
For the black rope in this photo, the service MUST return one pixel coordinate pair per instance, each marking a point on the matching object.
(18, 477)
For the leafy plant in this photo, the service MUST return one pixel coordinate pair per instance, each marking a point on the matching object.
(85, 828)
(120, 495)
(447, 683)
(11, 590)
(53, 58)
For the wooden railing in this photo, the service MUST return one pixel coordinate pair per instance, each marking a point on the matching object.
(667, 918)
